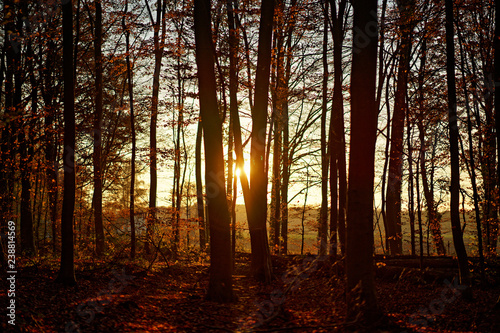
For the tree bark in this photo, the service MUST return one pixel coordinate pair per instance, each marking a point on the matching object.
(99, 230)
(323, 213)
(337, 137)
(393, 233)
(132, 129)
(153, 181)
(67, 270)
(233, 110)
(455, 166)
(472, 165)
(261, 258)
(361, 298)
(220, 284)
(496, 69)
(199, 189)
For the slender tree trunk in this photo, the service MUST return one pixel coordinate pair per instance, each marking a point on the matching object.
(132, 128)
(393, 233)
(233, 220)
(177, 188)
(472, 164)
(99, 230)
(304, 207)
(323, 213)
(153, 181)
(496, 45)
(434, 221)
(199, 189)
(6, 177)
(361, 298)
(67, 270)
(27, 240)
(411, 208)
(278, 103)
(26, 150)
(285, 174)
(432, 215)
(455, 167)
(220, 284)
(233, 110)
(48, 95)
(419, 217)
(337, 137)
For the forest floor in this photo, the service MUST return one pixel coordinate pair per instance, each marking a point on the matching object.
(307, 296)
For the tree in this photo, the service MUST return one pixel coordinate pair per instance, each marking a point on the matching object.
(97, 199)
(158, 52)
(323, 213)
(361, 298)
(337, 137)
(220, 284)
(233, 114)
(393, 221)
(7, 151)
(200, 205)
(132, 127)
(67, 269)
(458, 240)
(432, 215)
(496, 45)
(261, 258)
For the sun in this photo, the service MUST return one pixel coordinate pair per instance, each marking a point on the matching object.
(246, 167)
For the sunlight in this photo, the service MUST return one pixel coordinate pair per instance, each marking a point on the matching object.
(237, 170)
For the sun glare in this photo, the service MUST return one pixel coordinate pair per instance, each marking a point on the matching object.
(237, 170)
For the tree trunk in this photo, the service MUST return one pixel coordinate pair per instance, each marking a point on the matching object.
(232, 185)
(6, 177)
(278, 97)
(496, 45)
(285, 174)
(153, 181)
(67, 270)
(220, 284)
(361, 298)
(432, 215)
(132, 129)
(337, 138)
(434, 221)
(99, 230)
(393, 233)
(199, 189)
(411, 208)
(261, 258)
(27, 240)
(323, 213)
(455, 166)
(472, 166)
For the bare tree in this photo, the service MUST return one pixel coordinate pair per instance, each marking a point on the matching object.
(361, 298)
(220, 285)
(261, 258)
(132, 129)
(97, 199)
(458, 240)
(67, 269)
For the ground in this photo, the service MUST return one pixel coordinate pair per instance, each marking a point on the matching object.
(307, 296)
